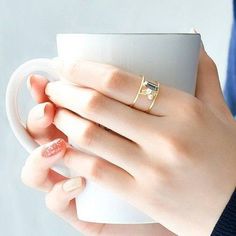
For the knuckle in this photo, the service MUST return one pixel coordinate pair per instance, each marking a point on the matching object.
(96, 168)
(54, 200)
(88, 134)
(193, 108)
(197, 108)
(71, 70)
(211, 62)
(211, 66)
(112, 79)
(50, 203)
(94, 102)
(176, 146)
(157, 176)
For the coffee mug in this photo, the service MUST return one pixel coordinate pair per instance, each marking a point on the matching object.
(169, 58)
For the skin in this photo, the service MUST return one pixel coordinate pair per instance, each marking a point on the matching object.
(176, 164)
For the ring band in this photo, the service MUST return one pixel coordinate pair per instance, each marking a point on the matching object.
(149, 89)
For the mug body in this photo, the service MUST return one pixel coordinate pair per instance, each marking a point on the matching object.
(169, 58)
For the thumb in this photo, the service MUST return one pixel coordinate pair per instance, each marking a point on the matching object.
(208, 88)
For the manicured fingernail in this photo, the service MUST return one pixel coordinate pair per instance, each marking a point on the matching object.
(39, 111)
(72, 184)
(53, 148)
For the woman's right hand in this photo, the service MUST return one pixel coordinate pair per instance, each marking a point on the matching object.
(61, 191)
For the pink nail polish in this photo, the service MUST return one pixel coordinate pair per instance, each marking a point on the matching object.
(53, 148)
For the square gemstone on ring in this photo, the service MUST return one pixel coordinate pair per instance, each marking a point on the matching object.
(151, 85)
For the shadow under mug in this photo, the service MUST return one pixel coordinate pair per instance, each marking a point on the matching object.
(169, 58)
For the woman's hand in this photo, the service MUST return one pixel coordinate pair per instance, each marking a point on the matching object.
(61, 191)
(176, 164)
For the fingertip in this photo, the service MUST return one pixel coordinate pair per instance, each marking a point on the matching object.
(36, 85)
(34, 80)
(49, 112)
(41, 116)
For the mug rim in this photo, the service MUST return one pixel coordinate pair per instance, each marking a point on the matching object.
(127, 33)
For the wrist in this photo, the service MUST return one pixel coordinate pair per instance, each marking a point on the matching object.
(203, 221)
(217, 207)
(226, 224)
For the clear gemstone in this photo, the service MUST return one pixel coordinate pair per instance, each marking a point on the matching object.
(150, 96)
(149, 91)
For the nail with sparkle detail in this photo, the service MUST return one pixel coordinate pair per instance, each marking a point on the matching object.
(54, 148)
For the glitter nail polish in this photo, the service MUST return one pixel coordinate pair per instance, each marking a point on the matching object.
(53, 148)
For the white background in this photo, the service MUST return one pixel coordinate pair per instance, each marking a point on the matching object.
(28, 29)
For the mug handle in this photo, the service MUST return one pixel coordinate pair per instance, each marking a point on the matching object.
(15, 84)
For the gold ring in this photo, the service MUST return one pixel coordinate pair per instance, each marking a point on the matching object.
(150, 89)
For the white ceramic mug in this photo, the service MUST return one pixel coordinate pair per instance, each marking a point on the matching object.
(169, 58)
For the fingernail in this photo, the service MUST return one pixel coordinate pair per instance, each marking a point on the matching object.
(53, 148)
(29, 82)
(202, 46)
(39, 111)
(72, 184)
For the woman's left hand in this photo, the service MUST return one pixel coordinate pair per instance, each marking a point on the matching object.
(177, 164)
